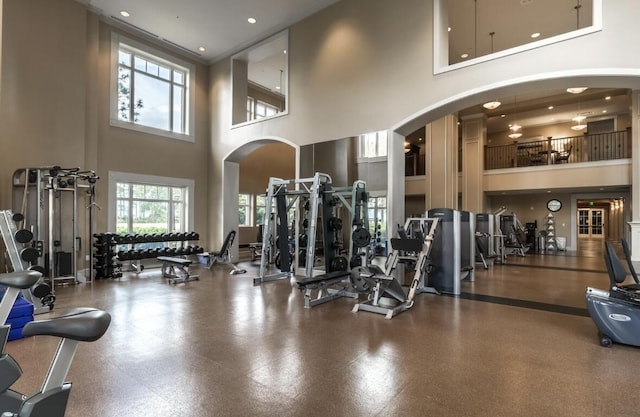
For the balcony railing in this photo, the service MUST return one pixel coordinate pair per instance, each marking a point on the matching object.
(585, 148)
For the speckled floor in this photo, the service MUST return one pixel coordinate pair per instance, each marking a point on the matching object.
(222, 347)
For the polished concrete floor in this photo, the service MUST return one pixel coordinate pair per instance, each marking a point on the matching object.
(223, 347)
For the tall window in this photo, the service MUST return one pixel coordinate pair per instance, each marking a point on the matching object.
(146, 208)
(377, 214)
(151, 91)
(372, 145)
(150, 204)
(260, 208)
(244, 209)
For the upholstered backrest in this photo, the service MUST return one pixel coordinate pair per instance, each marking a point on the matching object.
(617, 274)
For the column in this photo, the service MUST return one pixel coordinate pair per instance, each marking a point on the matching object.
(473, 139)
(635, 176)
(441, 140)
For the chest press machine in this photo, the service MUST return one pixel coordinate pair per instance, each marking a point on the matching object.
(386, 295)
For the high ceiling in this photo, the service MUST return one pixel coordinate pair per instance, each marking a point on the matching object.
(219, 26)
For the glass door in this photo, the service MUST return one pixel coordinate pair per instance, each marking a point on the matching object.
(591, 223)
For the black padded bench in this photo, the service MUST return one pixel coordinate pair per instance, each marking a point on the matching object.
(176, 269)
(324, 279)
(321, 284)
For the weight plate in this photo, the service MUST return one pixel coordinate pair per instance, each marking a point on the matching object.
(340, 263)
(17, 217)
(359, 283)
(37, 268)
(303, 240)
(360, 237)
(41, 290)
(29, 254)
(356, 261)
(23, 236)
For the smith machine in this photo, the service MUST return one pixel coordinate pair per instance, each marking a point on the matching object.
(320, 222)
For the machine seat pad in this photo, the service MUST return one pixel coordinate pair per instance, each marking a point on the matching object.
(84, 324)
(20, 279)
(172, 260)
(318, 279)
(407, 245)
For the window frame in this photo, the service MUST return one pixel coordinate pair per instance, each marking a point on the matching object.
(380, 153)
(155, 56)
(249, 210)
(258, 220)
(116, 177)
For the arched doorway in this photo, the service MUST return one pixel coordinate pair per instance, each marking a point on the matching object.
(245, 172)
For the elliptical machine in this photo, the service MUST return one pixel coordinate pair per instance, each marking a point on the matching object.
(616, 313)
(77, 325)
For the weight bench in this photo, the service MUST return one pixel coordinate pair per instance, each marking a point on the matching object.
(223, 256)
(176, 269)
(321, 283)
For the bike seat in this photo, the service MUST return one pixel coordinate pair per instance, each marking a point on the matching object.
(20, 279)
(84, 324)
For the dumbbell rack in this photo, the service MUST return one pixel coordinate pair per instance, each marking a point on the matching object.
(8, 230)
(108, 257)
(105, 264)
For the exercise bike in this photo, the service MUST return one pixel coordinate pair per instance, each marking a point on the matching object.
(77, 325)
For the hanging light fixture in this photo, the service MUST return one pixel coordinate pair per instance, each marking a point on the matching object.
(514, 127)
(576, 90)
(515, 131)
(579, 123)
(491, 105)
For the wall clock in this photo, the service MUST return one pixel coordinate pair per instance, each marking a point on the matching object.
(554, 205)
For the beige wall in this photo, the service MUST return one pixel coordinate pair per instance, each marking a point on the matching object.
(367, 65)
(357, 66)
(271, 160)
(55, 106)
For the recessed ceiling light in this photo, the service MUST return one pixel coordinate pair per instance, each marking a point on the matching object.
(201, 48)
(420, 139)
(277, 87)
(550, 107)
(124, 13)
(604, 111)
(607, 98)
(464, 56)
(535, 35)
(284, 52)
(449, 29)
(576, 90)
(251, 20)
(503, 115)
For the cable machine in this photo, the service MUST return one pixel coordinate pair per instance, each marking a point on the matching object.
(48, 198)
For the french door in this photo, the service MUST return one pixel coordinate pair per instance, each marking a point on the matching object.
(591, 223)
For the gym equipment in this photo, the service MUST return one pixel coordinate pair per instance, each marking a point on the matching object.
(616, 313)
(49, 199)
(467, 245)
(446, 260)
(386, 295)
(632, 269)
(176, 269)
(324, 284)
(223, 256)
(77, 325)
(21, 260)
(515, 238)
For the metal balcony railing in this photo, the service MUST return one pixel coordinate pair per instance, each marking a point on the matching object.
(585, 148)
